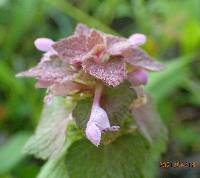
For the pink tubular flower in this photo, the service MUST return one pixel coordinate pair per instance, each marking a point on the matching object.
(98, 120)
(45, 45)
(137, 39)
(138, 77)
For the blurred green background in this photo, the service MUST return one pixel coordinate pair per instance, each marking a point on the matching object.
(173, 31)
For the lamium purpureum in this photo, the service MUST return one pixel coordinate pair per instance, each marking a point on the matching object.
(90, 62)
(94, 83)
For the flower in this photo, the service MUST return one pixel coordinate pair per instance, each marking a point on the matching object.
(89, 60)
(137, 39)
(98, 121)
(45, 45)
(105, 56)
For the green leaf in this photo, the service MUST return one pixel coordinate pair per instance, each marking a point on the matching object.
(55, 168)
(10, 152)
(49, 137)
(194, 88)
(187, 136)
(79, 15)
(189, 43)
(105, 12)
(151, 165)
(24, 16)
(81, 112)
(26, 169)
(160, 85)
(117, 103)
(7, 78)
(108, 161)
(127, 157)
(3, 3)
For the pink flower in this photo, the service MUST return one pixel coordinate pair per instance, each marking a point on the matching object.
(137, 39)
(98, 120)
(45, 45)
(86, 61)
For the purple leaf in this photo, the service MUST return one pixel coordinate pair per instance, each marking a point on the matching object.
(95, 38)
(43, 84)
(52, 70)
(82, 29)
(138, 58)
(148, 120)
(72, 48)
(65, 88)
(112, 72)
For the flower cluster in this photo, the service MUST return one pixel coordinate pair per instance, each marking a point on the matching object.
(90, 60)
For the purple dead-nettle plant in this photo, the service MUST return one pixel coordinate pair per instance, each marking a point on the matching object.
(88, 62)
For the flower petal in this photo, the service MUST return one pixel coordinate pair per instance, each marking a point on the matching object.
(50, 53)
(94, 39)
(51, 70)
(72, 48)
(137, 39)
(112, 72)
(138, 58)
(99, 117)
(82, 29)
(43, 84)
(97, 123)
(93, 133)
(63, 89)
(111, 40)
(115, 45)
(44, 44)
(119, 48)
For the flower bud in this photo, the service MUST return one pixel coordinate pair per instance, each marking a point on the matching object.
(138, 77)
(48, 99)
(44, 44)
(137, 39)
